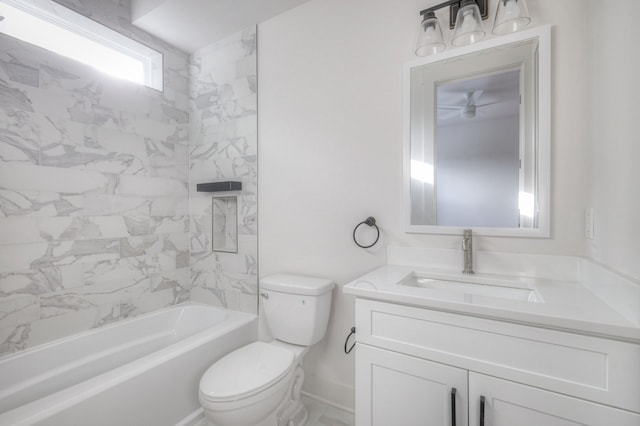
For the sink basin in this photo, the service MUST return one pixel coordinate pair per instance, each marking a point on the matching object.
(469, 286)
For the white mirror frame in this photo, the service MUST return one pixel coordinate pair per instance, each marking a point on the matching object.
(543, 112)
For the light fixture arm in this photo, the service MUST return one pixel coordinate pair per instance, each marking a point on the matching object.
(455, 5)
(439, 6)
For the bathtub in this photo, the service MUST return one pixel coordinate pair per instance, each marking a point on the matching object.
(141, 371)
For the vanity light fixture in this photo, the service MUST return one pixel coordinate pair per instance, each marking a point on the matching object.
(430, 39)
(468, 28)
(511, 16)
(465, 18)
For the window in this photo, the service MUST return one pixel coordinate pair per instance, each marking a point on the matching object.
(53, 27)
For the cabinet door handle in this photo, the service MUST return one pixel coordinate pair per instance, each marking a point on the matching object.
(482, 399)
(453, 406)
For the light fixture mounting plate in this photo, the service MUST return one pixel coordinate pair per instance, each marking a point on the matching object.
(453, 11)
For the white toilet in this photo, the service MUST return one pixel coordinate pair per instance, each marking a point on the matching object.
(259, 384)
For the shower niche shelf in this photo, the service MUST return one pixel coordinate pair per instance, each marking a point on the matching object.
(228, 185)
(224, 223)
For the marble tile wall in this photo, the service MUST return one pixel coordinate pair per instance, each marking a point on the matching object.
(223, 92)
(94, 186)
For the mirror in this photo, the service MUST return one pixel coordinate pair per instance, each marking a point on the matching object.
(477, 138)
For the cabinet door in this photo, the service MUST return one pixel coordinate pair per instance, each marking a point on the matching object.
(508, 404)
(396, 389)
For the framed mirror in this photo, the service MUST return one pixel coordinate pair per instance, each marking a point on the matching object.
(477, 138)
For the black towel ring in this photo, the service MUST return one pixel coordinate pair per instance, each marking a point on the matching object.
(348, 349)
(371, 221)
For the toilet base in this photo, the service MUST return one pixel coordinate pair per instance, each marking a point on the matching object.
(292, 412)
(297, 417)
(289, 412)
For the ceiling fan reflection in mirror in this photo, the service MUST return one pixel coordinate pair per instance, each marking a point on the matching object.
(490, 96)
(467, 110)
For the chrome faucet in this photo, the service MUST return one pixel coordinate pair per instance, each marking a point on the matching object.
(467, 249)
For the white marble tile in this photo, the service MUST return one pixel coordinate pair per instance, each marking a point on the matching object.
(209, 296)
(114, 139)
(93, 187)
(150, 187)
(173, 279)
(247, 121)
(169, 206)
(19, 230)
(147, 225)
(51, 179)
(200, 204)
(18, 309)
(140, 245)
(222, 102)
(160, 299)
(44, 280)
(106, 204)
(14, 151)
(147, 127)
(31, 203)
(248, 215)
(91, 296)
(19, 257)
(125, 271)
(82, 228)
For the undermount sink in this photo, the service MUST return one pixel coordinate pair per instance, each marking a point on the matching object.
(473, 285)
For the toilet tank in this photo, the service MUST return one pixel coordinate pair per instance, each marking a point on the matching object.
(296, 307)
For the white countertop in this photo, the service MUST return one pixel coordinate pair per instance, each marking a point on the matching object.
(565, 305)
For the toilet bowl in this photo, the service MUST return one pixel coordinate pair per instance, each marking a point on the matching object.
(259, 384)
(248, 385)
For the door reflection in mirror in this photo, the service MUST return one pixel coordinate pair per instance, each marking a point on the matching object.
(478, 152)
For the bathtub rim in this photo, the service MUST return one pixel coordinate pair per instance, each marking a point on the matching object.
(115, 324)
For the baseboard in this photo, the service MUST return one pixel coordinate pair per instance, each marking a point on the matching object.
(334, 394)
(194, 419)
(330, 403)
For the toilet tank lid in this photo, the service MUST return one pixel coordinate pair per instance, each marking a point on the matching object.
(297, 284)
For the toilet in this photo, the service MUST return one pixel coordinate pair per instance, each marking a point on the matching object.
(259, 384)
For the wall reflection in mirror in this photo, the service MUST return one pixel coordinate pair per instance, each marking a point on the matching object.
(474, 141)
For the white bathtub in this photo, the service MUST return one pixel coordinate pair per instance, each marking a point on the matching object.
(142, 371)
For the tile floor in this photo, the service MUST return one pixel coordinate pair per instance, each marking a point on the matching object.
(320, 414)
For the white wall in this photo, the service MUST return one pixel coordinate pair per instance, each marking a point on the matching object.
(614, 135)
(330, 146)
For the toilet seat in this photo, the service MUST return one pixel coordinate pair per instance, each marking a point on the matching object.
(247, 372)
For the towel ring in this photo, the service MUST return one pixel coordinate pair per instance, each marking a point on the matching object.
(370, 221)
(348, 349)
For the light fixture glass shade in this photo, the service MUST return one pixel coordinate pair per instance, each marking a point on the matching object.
(468, 29)
(511, 16)
(430, 39)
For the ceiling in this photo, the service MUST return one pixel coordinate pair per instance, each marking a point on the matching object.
(193, 24)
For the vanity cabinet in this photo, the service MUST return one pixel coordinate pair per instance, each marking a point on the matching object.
(396, 389)
(409, 359)
(508, 404)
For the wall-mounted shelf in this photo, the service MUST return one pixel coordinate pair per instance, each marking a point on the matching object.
(219, 186)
